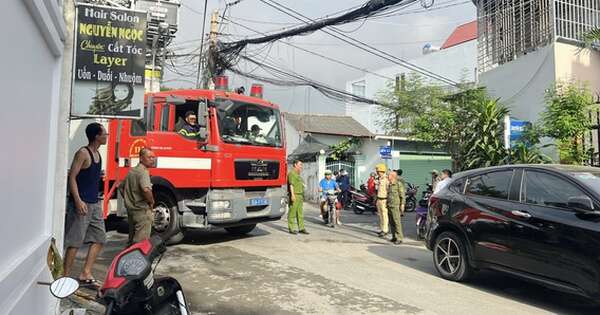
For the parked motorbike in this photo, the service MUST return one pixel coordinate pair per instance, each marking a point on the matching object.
(360, 201)
(331, 204)
(411, 199)
(132, 288)
(422, 210)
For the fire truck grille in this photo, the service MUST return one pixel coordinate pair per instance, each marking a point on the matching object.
(256, 169)
(255, 208)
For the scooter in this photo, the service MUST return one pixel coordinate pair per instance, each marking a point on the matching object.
(360, 201)
(131, 287)
(411, 199)
(422, 210)
(331, 202)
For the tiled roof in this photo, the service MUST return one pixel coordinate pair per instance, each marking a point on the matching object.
(327, 124)
(464, 33)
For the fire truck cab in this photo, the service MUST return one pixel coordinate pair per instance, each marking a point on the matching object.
(232, 174)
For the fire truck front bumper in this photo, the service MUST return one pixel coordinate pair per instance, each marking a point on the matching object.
(235, 207)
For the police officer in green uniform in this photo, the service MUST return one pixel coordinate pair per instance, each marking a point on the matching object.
(296, 191)
(395, 200)
(402, 183)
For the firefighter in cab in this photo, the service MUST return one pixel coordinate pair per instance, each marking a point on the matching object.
(190, 128)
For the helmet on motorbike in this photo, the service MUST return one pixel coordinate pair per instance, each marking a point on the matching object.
(381, 168)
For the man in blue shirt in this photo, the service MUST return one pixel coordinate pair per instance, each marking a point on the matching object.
(328, 183)
(344, 183)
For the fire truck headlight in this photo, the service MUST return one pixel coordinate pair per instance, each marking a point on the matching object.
(220, 204)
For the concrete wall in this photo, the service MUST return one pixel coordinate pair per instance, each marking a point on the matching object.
(456, 63)
(292, 137)
(521, 83)
(31, 129)
(572, 63)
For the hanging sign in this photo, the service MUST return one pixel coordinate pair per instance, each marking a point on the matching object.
(108, 72)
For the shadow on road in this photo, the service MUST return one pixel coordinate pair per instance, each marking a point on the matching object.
(493, 282)
(218, 236)
(192, 237)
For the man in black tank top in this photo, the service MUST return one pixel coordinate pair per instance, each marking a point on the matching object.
(85, 221)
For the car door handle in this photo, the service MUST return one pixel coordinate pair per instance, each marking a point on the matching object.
(521, 214)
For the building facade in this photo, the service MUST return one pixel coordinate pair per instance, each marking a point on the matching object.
(309, 138)
(525, 47)
(34, 134)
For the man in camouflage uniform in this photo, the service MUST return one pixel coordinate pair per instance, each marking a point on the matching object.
(395, 199)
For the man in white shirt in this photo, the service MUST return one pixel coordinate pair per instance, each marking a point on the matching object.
(446, 178)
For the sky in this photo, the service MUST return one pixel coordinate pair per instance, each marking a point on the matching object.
(401, 35)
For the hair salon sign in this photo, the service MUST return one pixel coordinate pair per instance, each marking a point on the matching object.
(110, 52)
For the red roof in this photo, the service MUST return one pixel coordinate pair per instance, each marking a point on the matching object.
(462, 34)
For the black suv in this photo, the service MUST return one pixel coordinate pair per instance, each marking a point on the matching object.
(538, 222)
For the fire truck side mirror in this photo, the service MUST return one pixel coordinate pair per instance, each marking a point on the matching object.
(202, 114)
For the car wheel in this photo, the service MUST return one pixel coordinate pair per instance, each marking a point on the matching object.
(240, 230)
(166, 218)
(410, 205)
(450, 257)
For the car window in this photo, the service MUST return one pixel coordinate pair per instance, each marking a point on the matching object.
(138, 127)
(495, 184)
(164, 118)
(549, 190)
(458, 185)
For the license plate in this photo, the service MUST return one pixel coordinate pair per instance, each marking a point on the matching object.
(259, 202)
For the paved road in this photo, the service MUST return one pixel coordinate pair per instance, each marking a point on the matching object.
(347, 270)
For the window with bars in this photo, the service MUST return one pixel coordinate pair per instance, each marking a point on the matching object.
(508, 29)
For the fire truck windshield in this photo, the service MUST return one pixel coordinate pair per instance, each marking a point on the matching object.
(248, 124)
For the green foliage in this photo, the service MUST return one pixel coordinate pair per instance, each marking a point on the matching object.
(566, 119)
(484, 145)
(405, 102)
(521, 153)
(528, 150)
(340, 150)
(591, 37)
(469, 123)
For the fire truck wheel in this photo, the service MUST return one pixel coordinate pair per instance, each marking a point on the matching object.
(240, 230)
(166, 218)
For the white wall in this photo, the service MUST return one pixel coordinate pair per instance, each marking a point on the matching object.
(29, 134)
(456, 63)
(522, 83)
(292, 137)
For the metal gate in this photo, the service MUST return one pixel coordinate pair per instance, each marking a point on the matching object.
(336, 166)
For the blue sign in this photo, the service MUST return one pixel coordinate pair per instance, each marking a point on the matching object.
(517, 127)
(385, 152)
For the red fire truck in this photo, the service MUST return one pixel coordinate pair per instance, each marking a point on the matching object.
(232, 175)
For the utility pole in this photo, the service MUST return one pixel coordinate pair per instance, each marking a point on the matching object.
(400, 89)
(212, 50)
(199, 76)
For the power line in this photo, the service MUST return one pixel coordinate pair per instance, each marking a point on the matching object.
(300, 80)
(317, 54)
(361, 45)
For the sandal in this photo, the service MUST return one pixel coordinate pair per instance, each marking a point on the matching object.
(90, 283)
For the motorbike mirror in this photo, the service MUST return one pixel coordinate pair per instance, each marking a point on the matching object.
(64, 287)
